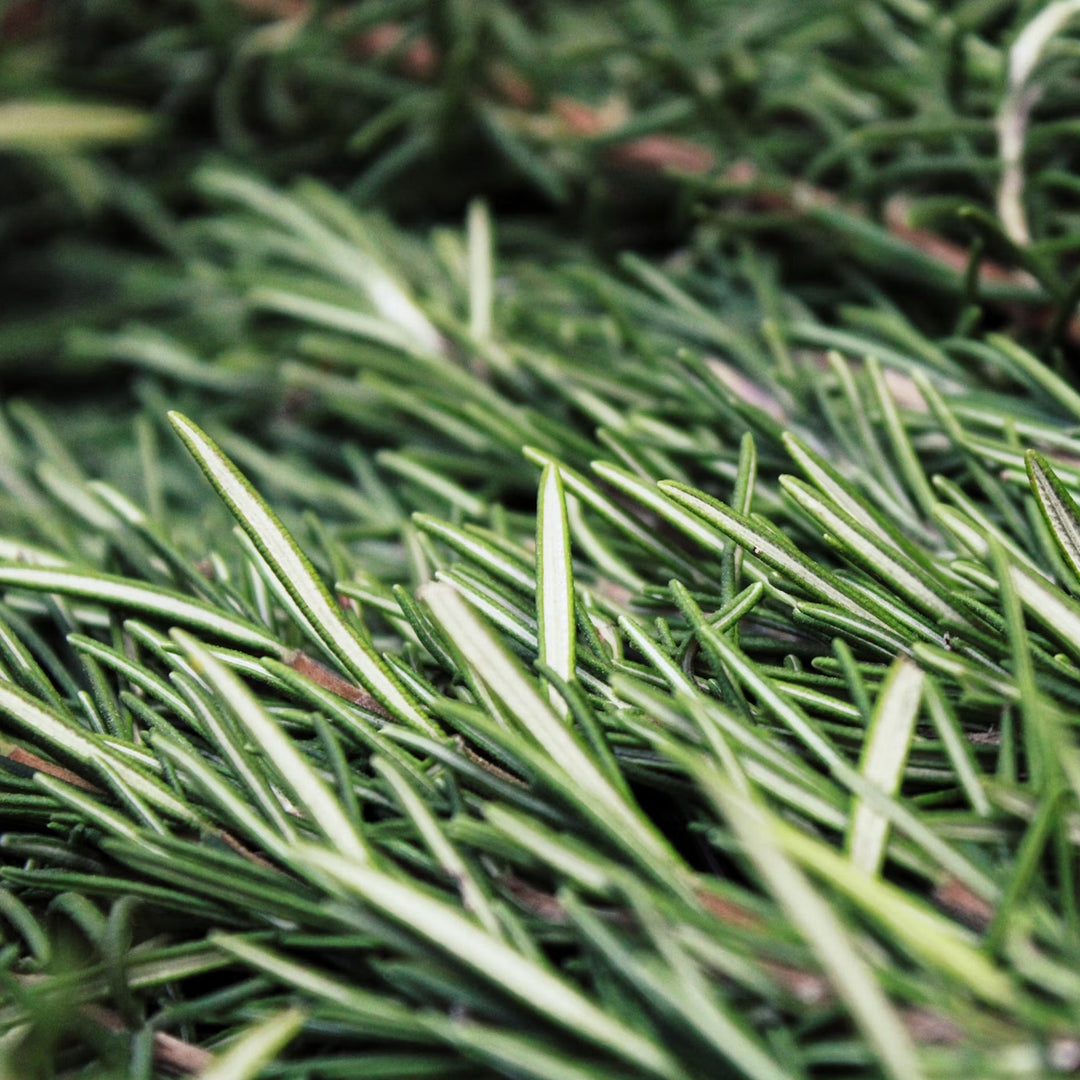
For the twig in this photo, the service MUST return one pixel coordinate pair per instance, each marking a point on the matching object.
(329, 680)
(19, 756)
(959, 901)
(169, 1052)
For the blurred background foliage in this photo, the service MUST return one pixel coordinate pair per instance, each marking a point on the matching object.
(830, 133)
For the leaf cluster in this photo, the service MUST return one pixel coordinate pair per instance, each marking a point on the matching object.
(443, 652)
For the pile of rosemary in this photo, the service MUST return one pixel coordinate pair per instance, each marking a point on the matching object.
(538, 539)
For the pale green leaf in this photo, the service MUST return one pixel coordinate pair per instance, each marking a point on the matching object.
(520, 695)
(555, 596)
(535, 986)
(295, 572)
(128, 595)
(826, 935)
(885, 753)
(306, 785)
(65, 738)
(1058, 508)
(256, 1047)
(64, 126)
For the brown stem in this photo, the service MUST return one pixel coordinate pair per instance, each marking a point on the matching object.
(24, 757)
(170, 1053)
(330, 680)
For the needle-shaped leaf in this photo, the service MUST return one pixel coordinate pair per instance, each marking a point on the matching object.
(245, 764)
(295, 572)
(1053, 607)
(66, 739)
(1032, 369)
(256, 1047)
(909, 921)
(885, 753)
(305, 784)
(346, 260)
(846, 496)
(814, 737)
(479, 551)
(880, 558)
(822, 929)
(535, 986)
(454, 866)
(646, 494)
(520, 695)
(590, 496)
(1058, 508)
(906, 458)
(129, 595)
(683, 993)
(555, 596)
(481, 272)
(50, 127)
(797, 567)
(136, 674)
(374, 1012)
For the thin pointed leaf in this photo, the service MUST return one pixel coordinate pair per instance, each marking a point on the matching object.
(473, 897)
(537, 987)
(294, 570)
(256, 1047)
(883, 560)
(555, 596)
(798, 568)
(1058, 508)
(67, 740)
(699, 1010)
(305, 784)
(131, 595)
(519, 694)
(820, 926)
(481, 272)
(885, 752)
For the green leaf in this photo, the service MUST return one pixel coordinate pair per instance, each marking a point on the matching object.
(907, 459)
(376, 1013)
(131, 595)
(682, 990)
(815, 738)
(473, 896)
(1054, 608)
(555, 596)
(590, 496)
(479, 550)
(62, 126)
(822, 929)
(885, 752)
(481, 272)
(67, 740)
(882, 559)
(136, 674)
(441, 486)
(798, 568)
(935, 940)
(295, 572)
(1034, 371)
(647, 495)
(847, 497)
(306, 785)
(256, 1047)
(537, 987)
(520, 695)
(1058, 508)
(344, 259)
